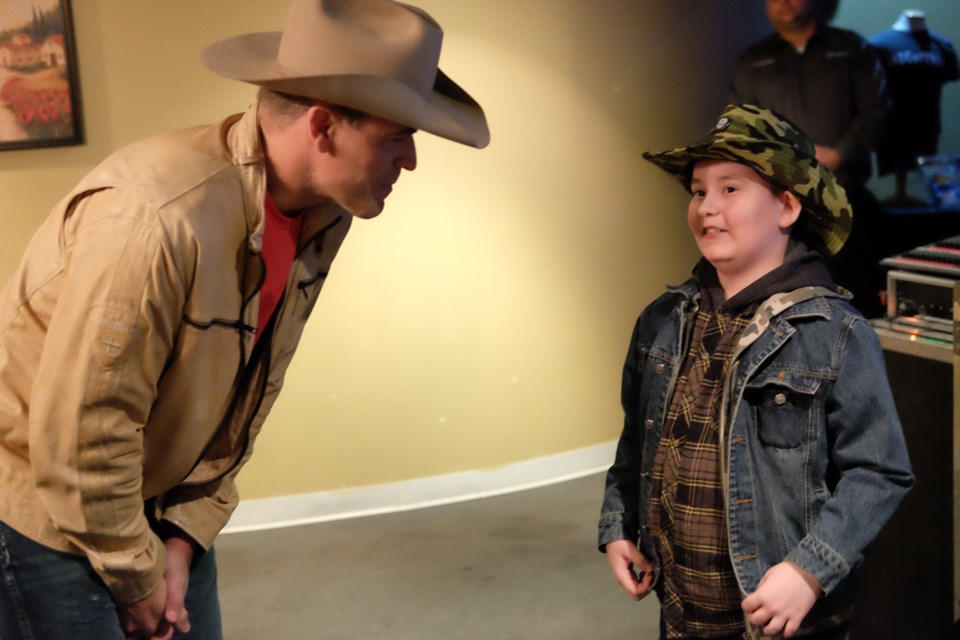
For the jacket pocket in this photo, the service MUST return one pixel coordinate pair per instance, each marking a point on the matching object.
(783, 405)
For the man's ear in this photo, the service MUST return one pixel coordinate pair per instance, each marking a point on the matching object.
(792, 207)
(320, 123)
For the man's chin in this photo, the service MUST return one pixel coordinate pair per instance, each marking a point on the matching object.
(368, 212)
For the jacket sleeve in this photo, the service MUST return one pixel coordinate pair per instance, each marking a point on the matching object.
(202, 511)
(619, 517)
(870, 456)
(108, 338)
(872, 108)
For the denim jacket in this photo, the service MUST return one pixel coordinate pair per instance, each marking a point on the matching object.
(813, 452)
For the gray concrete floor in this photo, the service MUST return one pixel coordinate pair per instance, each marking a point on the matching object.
(523, 566)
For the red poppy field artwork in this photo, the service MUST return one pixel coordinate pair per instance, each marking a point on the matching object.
(39, 92)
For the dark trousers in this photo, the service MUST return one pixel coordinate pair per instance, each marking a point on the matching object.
(51, 595)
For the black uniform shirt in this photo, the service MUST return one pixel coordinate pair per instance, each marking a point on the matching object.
(835, 91)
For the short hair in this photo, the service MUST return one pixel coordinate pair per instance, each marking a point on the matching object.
(290, 107)
(825, 10)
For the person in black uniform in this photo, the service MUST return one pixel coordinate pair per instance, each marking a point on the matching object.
(831, 84)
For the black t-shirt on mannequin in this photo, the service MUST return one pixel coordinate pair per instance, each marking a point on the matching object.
(918, 63)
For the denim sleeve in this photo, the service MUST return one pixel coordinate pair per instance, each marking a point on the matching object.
(869, 454)
(618, 516)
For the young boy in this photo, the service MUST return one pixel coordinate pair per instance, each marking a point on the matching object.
(761, 450)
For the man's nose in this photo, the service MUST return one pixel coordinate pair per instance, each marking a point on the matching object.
(407, 159)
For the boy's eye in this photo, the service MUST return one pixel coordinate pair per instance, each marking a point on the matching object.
(729, 189)
(698, 193)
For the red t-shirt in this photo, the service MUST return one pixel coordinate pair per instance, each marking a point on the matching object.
(280, 237)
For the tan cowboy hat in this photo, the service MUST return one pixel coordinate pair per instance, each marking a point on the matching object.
(376, 56)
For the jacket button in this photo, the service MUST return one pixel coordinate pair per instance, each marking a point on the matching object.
(648, 423)
(660, 368)
(780, 398)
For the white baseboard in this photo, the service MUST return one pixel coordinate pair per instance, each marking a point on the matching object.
(289, 511)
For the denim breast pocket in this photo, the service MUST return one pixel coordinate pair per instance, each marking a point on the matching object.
(784, 407)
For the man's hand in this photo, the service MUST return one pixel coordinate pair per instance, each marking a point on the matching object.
(624, 559)
(829, 157)
(162, 611)
(177, 577)
(144, 618)
(785, 595)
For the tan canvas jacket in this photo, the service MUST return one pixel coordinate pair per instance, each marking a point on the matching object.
(127, 366)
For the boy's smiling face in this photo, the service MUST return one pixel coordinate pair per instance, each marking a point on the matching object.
(741, 225)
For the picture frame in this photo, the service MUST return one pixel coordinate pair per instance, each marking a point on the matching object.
(39, 82)
(940, 176)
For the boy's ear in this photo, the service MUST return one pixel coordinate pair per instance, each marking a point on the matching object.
(792, 207)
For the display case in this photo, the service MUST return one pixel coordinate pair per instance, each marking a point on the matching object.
(909, 582)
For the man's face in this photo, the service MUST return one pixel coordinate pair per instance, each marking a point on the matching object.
(788, 15)
(367, 160)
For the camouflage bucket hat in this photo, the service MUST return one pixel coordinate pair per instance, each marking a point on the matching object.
(779, 152)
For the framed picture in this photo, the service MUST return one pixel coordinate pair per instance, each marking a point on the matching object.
(39, 89)
(940, 176)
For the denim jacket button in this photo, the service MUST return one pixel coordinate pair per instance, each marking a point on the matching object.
(660, 368)
(780, 398)
(648, 423)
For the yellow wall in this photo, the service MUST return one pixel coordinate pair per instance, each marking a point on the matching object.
(483, 318)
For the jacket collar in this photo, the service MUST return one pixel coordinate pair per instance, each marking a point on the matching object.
(779, 309)
(241, 136)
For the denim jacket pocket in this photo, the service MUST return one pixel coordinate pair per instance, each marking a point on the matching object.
(783, 405)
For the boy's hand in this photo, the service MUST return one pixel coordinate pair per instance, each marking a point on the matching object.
(829, 157)
(785, 595)
(624, 559)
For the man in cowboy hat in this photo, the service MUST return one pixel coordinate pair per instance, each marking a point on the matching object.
(145, 335)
